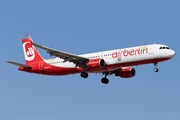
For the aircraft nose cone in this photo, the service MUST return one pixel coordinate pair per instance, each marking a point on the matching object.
(173, 53)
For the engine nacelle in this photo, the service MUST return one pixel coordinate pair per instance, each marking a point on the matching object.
(96, 63)
(126, 72)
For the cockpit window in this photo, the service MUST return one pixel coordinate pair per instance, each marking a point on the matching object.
(164, 48)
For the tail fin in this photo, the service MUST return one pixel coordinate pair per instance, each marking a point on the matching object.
(30, 53)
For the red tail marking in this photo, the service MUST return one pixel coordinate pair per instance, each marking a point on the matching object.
(31, 54)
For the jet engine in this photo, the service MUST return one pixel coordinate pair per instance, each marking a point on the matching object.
(126, 72)
(96, 63)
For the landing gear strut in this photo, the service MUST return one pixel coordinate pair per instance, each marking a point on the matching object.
(84, 74)
(155, 69)
(105, 80)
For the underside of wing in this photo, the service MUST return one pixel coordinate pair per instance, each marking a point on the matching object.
(78, 60)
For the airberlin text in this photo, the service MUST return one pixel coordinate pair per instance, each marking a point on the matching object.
(131, 52)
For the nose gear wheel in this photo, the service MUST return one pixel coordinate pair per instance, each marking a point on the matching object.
(155, 69)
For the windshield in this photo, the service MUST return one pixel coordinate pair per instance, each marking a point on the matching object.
(164, 48)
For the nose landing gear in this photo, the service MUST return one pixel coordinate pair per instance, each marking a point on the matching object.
(155, 69)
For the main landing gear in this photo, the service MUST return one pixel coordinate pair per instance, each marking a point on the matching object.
(84, 74)
(155, 69)
(105, 80)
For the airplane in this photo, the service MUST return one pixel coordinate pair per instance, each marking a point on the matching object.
(110, 62)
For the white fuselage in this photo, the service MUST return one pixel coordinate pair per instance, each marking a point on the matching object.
(120, 56)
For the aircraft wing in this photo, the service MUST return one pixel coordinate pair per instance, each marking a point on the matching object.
(78, 60)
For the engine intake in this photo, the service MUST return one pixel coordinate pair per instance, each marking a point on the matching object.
(96, 63)
(126, 72)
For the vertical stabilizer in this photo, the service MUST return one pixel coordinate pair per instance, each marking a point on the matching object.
(30, 53)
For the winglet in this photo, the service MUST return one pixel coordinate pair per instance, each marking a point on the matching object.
(29, 37)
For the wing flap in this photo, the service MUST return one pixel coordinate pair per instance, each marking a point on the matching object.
(18, 64)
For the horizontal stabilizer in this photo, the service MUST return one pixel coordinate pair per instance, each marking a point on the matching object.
(20, 65)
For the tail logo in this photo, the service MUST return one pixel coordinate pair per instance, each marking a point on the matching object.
(28, 51)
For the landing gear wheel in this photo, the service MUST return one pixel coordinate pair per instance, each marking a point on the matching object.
(156, 70)
(105, 80)
(84, 74)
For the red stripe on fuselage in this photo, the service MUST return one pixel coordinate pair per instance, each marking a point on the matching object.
(47, 69)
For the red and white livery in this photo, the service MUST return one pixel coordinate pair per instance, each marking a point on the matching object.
(110, 62)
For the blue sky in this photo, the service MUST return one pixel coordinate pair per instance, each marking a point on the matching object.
(83, 27)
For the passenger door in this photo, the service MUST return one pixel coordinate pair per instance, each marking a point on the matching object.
(41, 65)
(151, 49)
